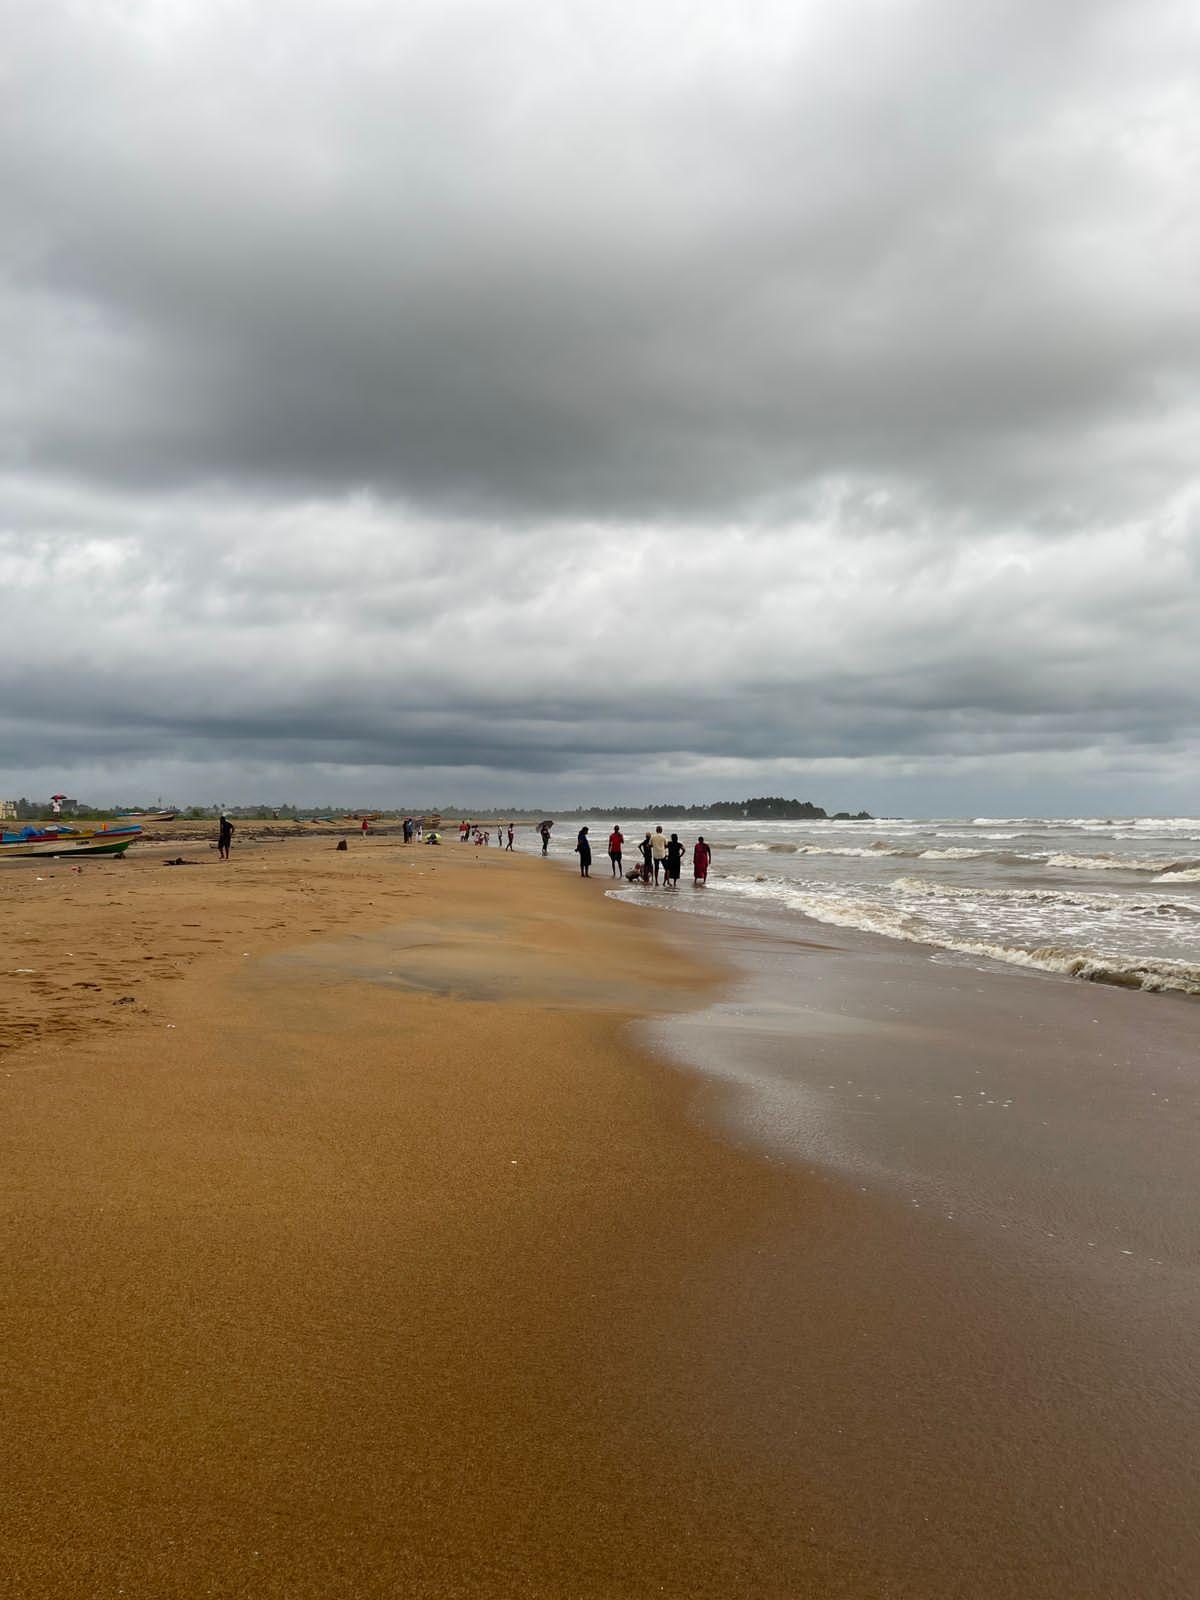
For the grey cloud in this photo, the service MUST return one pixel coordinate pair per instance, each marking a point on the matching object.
(908, 244)
(600, 398)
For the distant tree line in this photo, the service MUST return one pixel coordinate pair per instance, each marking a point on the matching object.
(760, 808)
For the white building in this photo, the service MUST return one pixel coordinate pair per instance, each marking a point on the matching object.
(8, 810)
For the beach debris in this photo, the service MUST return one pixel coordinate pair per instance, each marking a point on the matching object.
(125, 1000)
(341, 845)
(19, 970)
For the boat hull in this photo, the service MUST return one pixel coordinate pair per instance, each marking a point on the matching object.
(110, 843)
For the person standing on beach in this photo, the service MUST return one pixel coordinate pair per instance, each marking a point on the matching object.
(366, 827)
(658, 849)
(615, 840)
(584, 846)
(673, 862)
(544, 830)
(224, 837)
(646, 848)
(512, 833)
(701, 856)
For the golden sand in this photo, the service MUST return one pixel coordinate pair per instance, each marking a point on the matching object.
(351, 1249)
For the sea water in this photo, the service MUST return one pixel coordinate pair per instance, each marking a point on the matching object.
(1110, 899)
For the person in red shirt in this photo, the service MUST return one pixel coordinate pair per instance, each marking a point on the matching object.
(701, 856)
(615, 840)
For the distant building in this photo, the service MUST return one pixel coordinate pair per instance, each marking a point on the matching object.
(8, 810)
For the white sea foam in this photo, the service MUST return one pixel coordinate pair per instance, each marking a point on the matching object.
(933, 890)
(1113, 863)
(1051, 899)
(1153, 973)
(955, 853)
(1181, 875)
(866, 852)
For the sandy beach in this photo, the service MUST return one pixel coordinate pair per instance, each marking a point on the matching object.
(356, 1246)
(318, 1285)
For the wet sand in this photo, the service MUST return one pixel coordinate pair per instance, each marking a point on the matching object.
(1016, 1406)
(363, 1252)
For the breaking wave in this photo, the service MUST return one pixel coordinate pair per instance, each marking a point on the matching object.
(1153, 974)
(1108, 863)
(1067, 899)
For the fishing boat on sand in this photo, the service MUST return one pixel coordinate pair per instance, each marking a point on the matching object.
(57, 839)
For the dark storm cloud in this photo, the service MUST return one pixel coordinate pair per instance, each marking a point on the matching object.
(637, 397)
(504, 259)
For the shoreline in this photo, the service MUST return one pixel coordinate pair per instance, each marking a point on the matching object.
(1027, 1147)
(394, 1256)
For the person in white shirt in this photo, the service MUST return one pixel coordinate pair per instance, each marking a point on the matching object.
(658, 850)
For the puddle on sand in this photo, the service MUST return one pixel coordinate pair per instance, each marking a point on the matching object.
(488, 963)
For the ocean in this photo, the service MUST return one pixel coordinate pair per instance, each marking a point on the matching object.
(1109, 899)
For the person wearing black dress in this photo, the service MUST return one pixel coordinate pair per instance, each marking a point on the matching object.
(674, 861)
(583, 845)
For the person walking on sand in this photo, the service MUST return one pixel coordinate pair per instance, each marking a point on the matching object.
(584, 846)
(366, 828)
(658, 849)
(224, 837)
(512, 833)
(701, 856)
(673, 862)
(615, 840)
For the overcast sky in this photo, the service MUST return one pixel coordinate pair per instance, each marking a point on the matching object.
(557, 401)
